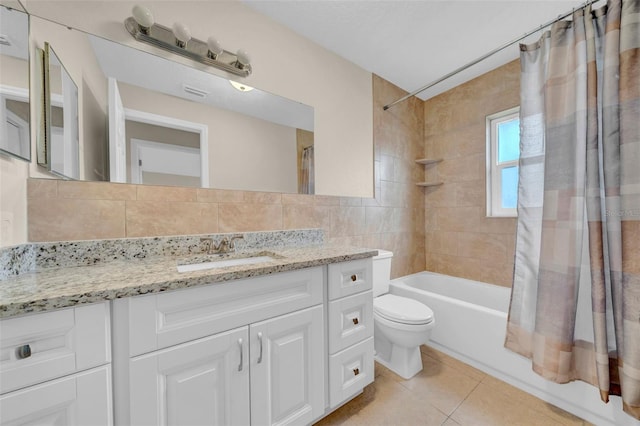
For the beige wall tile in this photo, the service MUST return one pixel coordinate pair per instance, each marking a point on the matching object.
(347, 221)
(468, 168)
(454, 128)
(262, 197)
(350, 201)
(394, 194)
(300, 216)
(326, 200)
(150, 218)
(387, 169)
(482, 246)
(379, 219)
(42, 188)
(249, 217)
(229, 196)
(96, 190)
(297, 199)
(206, 195)
(49, 219)
(166, 193)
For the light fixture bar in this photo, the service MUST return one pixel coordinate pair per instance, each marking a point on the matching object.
(163, 37)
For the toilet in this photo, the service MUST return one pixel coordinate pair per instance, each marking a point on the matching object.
(401, 324)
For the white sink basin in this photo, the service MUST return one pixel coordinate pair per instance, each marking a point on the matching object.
(224, 263)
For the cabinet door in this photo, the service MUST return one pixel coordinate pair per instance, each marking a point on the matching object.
(80, 399)
(288, 368)
(205, 381)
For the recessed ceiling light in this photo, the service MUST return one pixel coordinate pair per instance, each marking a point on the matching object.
(241, 86)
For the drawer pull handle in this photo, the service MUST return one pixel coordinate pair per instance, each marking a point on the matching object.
(354, 278)
(260, 340)
(241, 355)
(23, 352)
(356, 371)
(355, 321)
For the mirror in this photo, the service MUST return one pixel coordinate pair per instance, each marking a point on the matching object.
(173, 124)
(14, 83)
(61, 141)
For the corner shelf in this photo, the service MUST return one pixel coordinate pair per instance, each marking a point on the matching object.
(427, 162)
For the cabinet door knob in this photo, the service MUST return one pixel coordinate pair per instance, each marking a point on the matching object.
(356, 371)
(23, 352)
(355, 321)
(354, 278)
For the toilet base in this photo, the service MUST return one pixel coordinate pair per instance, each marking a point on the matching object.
(405, 362)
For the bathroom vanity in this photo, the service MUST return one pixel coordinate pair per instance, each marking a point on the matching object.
(279, 342)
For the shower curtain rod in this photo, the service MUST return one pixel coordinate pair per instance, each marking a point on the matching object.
(486, 55)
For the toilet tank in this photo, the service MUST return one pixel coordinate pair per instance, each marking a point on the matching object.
(381, 272)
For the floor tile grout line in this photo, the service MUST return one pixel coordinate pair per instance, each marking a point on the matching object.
(465, 398)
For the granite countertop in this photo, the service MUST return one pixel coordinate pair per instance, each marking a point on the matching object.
(55, 288)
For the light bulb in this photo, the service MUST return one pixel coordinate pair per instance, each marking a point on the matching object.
(143, 17)
(214, 48)
(182, 34)
(243, 59)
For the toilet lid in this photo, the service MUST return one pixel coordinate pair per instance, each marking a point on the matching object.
(402, 309)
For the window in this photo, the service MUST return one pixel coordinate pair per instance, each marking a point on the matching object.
(503, 151)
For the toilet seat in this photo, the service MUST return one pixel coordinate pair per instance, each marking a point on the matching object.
(402, 310)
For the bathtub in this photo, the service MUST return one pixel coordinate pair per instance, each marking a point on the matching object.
(471, 320)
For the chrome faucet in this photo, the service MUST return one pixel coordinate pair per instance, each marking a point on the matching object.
(226, 245)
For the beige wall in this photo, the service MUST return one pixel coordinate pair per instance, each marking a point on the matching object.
(461, 240)
(284, 63)
(393, 220)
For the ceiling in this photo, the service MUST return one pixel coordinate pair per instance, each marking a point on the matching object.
(413, 43)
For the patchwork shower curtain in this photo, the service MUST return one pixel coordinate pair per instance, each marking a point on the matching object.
(575, 304)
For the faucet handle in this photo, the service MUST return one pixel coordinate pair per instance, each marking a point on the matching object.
(232, 244)
(207, 244)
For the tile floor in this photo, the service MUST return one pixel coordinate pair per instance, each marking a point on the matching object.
(446, 392)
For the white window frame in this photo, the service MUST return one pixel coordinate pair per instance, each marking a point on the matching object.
(494, 168)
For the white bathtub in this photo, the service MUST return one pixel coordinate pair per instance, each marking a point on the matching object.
(471, 319)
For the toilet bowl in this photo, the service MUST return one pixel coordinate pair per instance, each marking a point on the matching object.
(401, 324)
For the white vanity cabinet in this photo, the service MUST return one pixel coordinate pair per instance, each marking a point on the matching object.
(350, 315)
(55, 367)
(248, 351)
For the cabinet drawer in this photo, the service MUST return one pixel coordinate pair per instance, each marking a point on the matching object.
(350, 371)
(349, 278)
(80, 399)
(44, 346)
(350, 320)
(162, 320)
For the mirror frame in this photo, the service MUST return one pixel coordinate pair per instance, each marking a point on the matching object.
(45, 143)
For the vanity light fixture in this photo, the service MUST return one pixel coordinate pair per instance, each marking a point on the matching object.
(178, 40)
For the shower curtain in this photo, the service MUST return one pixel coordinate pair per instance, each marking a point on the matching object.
(307, 182)
(575, 304)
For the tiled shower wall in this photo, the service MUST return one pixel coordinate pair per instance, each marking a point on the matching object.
(461, 240)
(393, 220)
